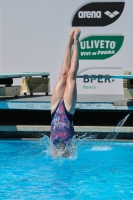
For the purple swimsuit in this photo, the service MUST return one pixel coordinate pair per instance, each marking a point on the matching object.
(62, 129)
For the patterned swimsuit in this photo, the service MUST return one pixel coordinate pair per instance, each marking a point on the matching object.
(62, 129)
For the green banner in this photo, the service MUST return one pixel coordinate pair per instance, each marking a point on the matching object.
(99, 47)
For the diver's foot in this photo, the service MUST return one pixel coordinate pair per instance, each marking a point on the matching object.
(77, 34)
(71, 35)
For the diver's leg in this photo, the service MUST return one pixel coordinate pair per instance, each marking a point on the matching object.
(70, 94)
(60, 86)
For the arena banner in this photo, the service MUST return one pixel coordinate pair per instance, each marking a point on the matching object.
(99, 47)
(98, 14)
(33, 37)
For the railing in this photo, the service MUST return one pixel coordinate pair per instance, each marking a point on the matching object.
(107, 76)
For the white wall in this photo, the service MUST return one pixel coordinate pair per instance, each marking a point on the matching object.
(33, 35)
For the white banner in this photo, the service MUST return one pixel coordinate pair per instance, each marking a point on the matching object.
(34, 36)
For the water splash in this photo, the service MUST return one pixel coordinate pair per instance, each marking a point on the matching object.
(101, 148)
(71, 150)
(106, 144)
(115, 131)
(122, 122)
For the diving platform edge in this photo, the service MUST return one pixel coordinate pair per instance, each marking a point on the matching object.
(84, 102)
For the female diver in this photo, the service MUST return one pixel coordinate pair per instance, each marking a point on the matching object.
(64, 99)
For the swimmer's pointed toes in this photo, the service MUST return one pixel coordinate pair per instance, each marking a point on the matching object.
(71, 34)
(77, 34)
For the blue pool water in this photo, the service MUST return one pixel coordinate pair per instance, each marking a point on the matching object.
(101, 170)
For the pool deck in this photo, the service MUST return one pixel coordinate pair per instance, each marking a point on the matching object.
(84, 102)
